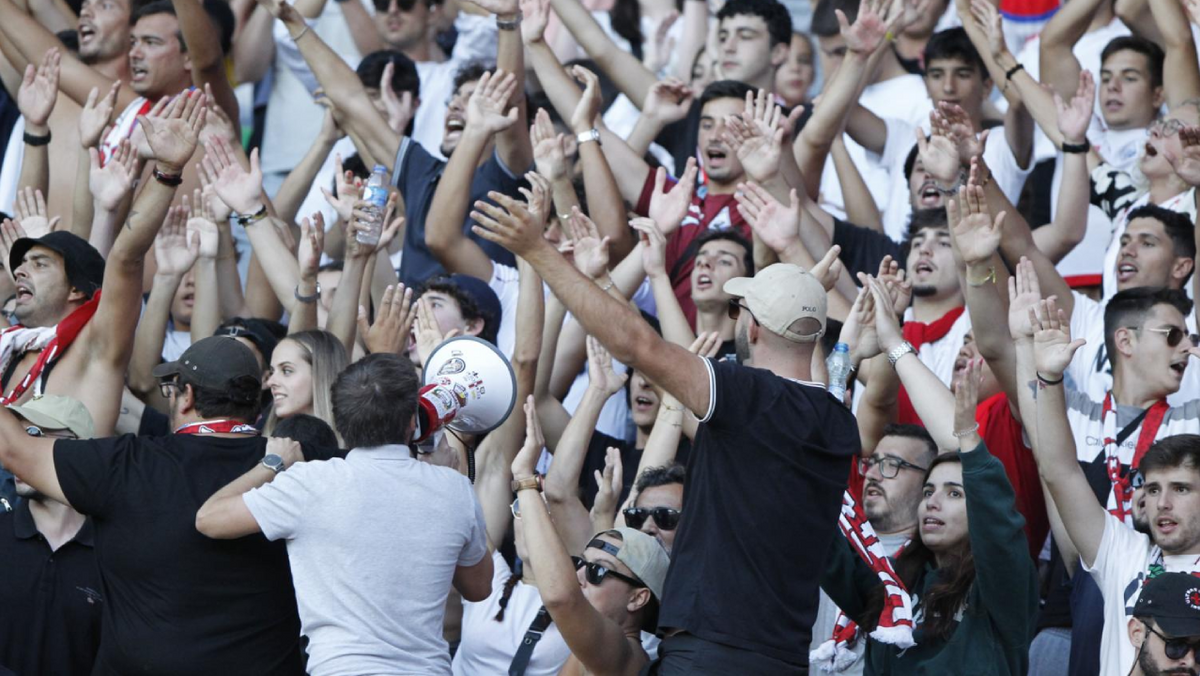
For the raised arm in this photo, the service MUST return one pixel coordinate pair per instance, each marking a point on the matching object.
(35, 99)
(1181, 72)
(1070, 219)
(596, 641)
(299, 180)
(629, 75)
(617, 326)
(1057, 65)
(512, 142)
(605, 205)
(1044, 400)
(203, 41)
(488, 113)
(174, 254)
(95, 116)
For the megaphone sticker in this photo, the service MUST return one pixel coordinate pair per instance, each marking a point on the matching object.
(454, 365)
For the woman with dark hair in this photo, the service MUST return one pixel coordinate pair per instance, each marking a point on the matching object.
(973, 585)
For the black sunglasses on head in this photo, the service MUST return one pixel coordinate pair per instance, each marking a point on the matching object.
(664, 517)
(596, 573)
(1176, 648)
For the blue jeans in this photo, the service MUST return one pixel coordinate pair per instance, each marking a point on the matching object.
(1049, 654)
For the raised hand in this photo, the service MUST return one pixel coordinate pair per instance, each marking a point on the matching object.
(537, 197)
(706, 344)
(549, 147)
(966, 400)
(10, 232)
(658, 49)
(488, 103)
(1187, 164)
(591, 251)
(939, 156)
(524, 465)
(975, 232)
(427, 331)
(778, 226)
(1053, 348)
(899, 289)
(218, 209)
(583, 118)
(393, 322)
(953, 122)
(400, 106)
(654, 247)
(987, 19)
(609, 486)
(536, 13)
(109, 184)
(870, 28)
(668, 209)
(1024, 293)
(510, 225)
(312, 245)
(201, 223)
(96, 114)
(601, 375)
(39, 90)
(30, 206)
(172, 137)
(241, 190)
(858, 332)
(829, 268)
(1074, 117)
(668, 100)
(887, 326)
(217, 124)
(757, 144)
(349, 190)
(174, 251)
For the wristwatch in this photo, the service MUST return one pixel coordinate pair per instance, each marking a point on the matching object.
(532, 482)
(589, 135)
(899, 351)
(307, 299)
(273, 462)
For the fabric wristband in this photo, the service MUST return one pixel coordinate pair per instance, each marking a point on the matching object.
(1078, 148)
(1008, 74)
(169, 180)
(36, 141)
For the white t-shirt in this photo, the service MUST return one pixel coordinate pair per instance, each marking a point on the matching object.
(1120, 569)
(903, 97)
(373, 541)
(488, 646)
(506, 282)
(901, 137)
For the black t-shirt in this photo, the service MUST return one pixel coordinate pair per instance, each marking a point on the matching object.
(597, 451)
(50, 601)
(764, 488)
(177, 602)
(863, 248)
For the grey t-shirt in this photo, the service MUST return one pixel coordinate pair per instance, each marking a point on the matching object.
(373, 541)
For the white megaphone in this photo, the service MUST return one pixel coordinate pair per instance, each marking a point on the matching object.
(469, 387)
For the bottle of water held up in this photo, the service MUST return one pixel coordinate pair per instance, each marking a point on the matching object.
(838, 366)
(377, 195)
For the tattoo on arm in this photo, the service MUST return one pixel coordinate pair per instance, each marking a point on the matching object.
(1034, 386)
(129, 221)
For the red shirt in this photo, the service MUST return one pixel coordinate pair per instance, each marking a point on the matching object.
(707, 212)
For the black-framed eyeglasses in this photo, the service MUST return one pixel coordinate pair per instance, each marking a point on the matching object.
(889, 465)
(736, 307)
(1177, 648)
(167, 386)
(665, 518)
(596, 573)
(1174, 334)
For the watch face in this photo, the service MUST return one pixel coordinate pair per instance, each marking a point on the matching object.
(273, 461)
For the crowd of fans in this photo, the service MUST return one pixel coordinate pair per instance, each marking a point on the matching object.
(847, 336)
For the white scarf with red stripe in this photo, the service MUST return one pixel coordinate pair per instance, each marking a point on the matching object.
(895, 621)
(52, 341)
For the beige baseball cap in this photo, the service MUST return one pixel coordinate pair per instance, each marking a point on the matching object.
(644, 555)
(53, 412)
(781, 295)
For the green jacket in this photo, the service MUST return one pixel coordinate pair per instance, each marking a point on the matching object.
(997, 622)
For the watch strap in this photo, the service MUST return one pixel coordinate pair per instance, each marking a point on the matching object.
(589, 135)
(532, 482)
(307, 299)
(899, 351)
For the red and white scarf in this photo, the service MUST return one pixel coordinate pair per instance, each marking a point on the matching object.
(1122, 490)
(53, 341)
(223, 426)
(895, 622)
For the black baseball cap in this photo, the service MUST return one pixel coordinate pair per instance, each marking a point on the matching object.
(264, 335)
(1172, 600)
(216, 362)
(485, 299)
(84, 265)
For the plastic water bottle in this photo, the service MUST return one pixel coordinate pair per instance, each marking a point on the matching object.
(377, 195)
(838, 366)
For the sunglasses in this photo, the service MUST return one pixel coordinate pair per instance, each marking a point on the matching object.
(736, 307)
(596, 573)
(664, 517)
(1177, 648)
(35, 431)
(382, 6)
(889, 466)
(1174, 334)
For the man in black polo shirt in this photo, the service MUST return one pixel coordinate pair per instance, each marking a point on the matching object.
(176, 602)
(741, 594)
(49, 588)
